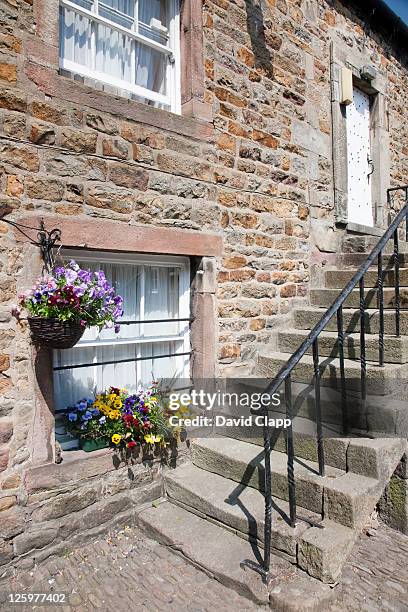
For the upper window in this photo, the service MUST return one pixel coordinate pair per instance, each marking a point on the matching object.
(131, 45)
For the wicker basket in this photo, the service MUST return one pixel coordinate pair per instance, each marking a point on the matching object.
(55, 333)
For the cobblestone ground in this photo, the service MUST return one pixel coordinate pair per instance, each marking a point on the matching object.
(127, 571)
(376, 575)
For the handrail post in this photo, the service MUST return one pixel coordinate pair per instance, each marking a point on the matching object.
(268, 494)
(340, 336)
(319, 429)
(290, 452)
(396, 284)
(363, 364)
(380, 297)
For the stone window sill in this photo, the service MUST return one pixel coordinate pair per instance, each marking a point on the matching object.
(356, 228)
(51, 83)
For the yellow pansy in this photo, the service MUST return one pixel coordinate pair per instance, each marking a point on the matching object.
(117, 403)
(116, 438)
(152, 439)
(111, 397)
(114, 414)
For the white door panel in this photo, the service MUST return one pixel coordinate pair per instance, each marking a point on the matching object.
(358, 153)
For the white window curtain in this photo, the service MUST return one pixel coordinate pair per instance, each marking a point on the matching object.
(150, 292)
(151, 66)
(76, 37)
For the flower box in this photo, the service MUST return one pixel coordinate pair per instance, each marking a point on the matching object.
(121, 420)
(93, 445)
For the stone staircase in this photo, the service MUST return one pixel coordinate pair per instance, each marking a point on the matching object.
(213, 511)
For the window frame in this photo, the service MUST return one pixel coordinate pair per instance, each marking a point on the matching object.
(183, 263)
(172, 100)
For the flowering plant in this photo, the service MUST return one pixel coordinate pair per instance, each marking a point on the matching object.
(74, 295)
(124, 420)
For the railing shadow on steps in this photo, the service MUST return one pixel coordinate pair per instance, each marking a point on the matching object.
(284, 375)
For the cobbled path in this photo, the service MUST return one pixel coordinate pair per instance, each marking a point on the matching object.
(127, 571)
(376, 575)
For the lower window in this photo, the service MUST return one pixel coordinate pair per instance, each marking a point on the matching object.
(151, 343)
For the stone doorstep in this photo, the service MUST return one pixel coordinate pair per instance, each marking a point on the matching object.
(307, 317)
(395, 349)
(322, 552)
(338, 279)
(220, 554)
(380, 380)
(346, 498)
(326, 297)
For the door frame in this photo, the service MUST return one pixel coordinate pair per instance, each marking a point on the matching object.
(342, 57)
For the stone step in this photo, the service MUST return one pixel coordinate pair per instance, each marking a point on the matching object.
(372, 457)
(365, 244)
(210, 547)
(308, 317)
(395, 349)
(337, 279)
(347, 498)
(238, 507)
(355, 260)
(321, 552)
(220, 554)
(326, 297)
(380, 380)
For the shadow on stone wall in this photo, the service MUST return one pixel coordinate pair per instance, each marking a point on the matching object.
(256, 31)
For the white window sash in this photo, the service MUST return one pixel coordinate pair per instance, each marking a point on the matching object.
(111, 80)
(116, 26)
(173, 73)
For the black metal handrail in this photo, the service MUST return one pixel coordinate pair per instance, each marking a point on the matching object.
(284, 374)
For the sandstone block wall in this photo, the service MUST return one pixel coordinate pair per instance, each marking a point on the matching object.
(255, 167)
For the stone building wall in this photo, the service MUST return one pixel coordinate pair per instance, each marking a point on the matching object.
(252, 166)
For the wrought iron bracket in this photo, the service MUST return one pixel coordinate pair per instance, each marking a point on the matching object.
(46, 240)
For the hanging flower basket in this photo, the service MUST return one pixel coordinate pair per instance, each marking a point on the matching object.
(63, 304)
(55, 333)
